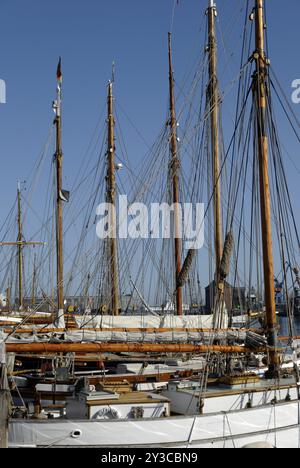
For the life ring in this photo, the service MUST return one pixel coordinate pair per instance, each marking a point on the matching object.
(107, 413)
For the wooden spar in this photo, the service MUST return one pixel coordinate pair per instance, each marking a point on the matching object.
(111, 199)
(8, 298)
(87, 287)
(41, 348)
(214, 99)
(20, 250)
(4, 415)
(175, 164)
(33, 282)
(32, 321)
(287, 338)
(213, 93)
(260, 95)
(60, 321)
(2, 244)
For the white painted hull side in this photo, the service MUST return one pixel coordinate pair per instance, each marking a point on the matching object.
(278, 425)
(188, 404)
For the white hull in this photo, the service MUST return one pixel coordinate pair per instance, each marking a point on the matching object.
(277, 425)
(187, 403)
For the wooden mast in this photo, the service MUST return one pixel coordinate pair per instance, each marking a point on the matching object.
(4, 399)
(213, 102)
(20, 250)
(60, 319)
(260, 87)
(8, 297)
(175, 164)
(20, 244)
(111, 199)
(33, 298)
(213, 93)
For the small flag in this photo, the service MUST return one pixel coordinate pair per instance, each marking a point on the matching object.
(64, 196)
(59, 72)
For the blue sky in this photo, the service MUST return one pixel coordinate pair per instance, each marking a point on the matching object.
(89, 35)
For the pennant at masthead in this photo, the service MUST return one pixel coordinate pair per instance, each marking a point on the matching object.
(59, 72)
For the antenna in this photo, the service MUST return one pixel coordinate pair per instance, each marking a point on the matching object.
(113, 72)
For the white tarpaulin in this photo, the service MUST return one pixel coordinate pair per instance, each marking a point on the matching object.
(248, 338)
(2, 352)
(145, 321)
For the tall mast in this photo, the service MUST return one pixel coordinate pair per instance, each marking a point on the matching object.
(111, 198)
(60, 320)
(260, 86)
(20, 244)
(213, 93)
(175, 164)
(20, 250)
(213, 102)
(33, 298)
(8, 297)
(5, 400)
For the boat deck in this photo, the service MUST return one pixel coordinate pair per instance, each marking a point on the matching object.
(219, 391)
